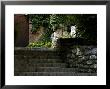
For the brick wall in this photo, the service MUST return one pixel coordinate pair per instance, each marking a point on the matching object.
(21, 30)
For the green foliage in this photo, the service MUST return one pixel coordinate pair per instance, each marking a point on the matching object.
(57, 21)
(46, 36)
(86, 24)
(40, 44)
(39, 20)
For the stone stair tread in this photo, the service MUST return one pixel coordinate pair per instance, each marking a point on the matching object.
(51, 64)
(37, 56)
(48, 62)
(36, 48)
(31, 51)
(55, 69)
(30, 56)
(85, 66)
(53, 74)
(42, 60)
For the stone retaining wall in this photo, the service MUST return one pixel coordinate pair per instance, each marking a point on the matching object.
(82, 57)
(66, 60)
(78, 53)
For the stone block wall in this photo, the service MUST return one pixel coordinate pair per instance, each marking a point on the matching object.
(34, 37)
(79, 53)
(70, 59)
(82, 57)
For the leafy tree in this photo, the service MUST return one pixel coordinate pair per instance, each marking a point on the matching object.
(86, 24)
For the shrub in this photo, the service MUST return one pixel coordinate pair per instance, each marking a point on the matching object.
(40, 44)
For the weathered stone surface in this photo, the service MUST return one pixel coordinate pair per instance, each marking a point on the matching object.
(92, 51)
(89, 62)
(53, 74)
(93, 57)
(76, 60)
(84, 57)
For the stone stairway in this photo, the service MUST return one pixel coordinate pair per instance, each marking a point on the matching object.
(43, 62)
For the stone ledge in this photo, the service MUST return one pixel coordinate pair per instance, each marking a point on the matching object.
(36, 48)
(53, 74)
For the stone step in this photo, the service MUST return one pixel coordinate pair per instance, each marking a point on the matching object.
(31, 53)
(50, 65)
(46, 61)
(35, 61)
(55, 69)
(34, 68)
(53, 74)
(85, 66)
(35, 51)
(38, 56)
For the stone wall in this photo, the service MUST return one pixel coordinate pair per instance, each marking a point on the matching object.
(71, 58)
(79, 54)
(82, 57)
(47, 62)
(34, 37)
